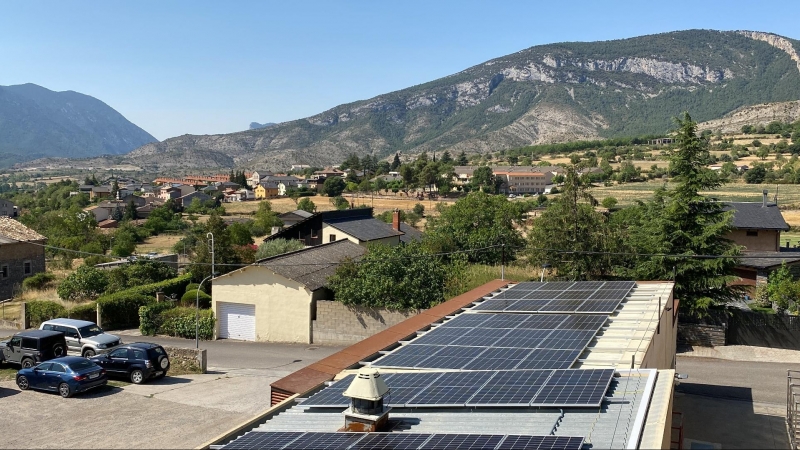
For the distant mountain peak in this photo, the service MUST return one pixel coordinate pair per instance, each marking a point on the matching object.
(38, 121)
(256, 125)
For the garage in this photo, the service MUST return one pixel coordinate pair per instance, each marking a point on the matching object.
(237, 321)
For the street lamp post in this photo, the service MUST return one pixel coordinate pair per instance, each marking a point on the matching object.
(211, 237)
(197, 313)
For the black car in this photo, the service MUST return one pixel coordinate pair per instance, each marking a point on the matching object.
(28, 348)
(138, 361)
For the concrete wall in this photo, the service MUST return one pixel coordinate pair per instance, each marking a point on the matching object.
(14, 256)
(187, 359)
(766, 241)
(283, 306)
(701, 335)
(328, 230)
(340, 324)
(661, 352)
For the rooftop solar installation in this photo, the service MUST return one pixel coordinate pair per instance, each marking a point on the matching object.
(498, 388)
(278, 440)
(559, 297)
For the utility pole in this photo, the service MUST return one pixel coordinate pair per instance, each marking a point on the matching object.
(211, 237)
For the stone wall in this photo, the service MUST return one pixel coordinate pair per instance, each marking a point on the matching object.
(187, 360)
(14, 256)
(701, 335)
(339, 324)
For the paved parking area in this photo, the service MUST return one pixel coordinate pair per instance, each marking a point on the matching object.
(175, 412)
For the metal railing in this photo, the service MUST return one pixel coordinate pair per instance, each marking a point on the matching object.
(793, 407)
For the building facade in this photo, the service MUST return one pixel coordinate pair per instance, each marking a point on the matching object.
(21, 255)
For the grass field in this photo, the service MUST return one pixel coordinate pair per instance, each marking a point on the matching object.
(788, 194)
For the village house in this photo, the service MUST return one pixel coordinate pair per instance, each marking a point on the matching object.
(757, 225)
(523, 182)
(257, 177)
(300, 167)
(356, 225)
(292, 217)
(8, 209)
(21, 255)
(327, 173)
(137, 200)
(100, 192)
(187, 199)
(274, 299)
(266, 190)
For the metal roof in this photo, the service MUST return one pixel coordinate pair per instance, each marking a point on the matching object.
(364, 228)
(613, 425)
(410, 233)
(765, 260)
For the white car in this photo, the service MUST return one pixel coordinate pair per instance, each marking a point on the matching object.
(82, 336)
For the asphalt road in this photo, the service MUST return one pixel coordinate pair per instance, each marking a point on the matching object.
(761, 382)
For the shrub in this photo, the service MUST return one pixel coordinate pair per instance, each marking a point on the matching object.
(277, 247)
(121, 310)
(150, 318)
(191, 297)
(86, 282)
(94, 260)
(195, 286)
(174, 286)
(38, 311)
(180, 322)
(87, 311)
(38, 281)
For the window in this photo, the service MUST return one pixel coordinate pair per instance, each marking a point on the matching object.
(68, 331)
(27, 266)
(139, 354)
(44, 366)
(120, 353)
(15, 342)
(29, 343)
(55, 367)
(752, 233)
(332, 238)
(81, 365)
(4, 271)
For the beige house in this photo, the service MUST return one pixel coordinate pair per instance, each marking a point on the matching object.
(274, 300)
(757, 226)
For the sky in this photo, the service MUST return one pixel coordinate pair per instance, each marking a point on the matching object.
(176, 67)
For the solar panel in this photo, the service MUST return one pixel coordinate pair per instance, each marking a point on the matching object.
(574, 388)
(599, 306)
(543, 321)
(557, 285)
(584, 322)
(515, 442)
(549, 359)
(494, 305)
(527, 286)
(522, 338)
(393, 441)
(462, 441)
(562, 306)
(512, 388)
(510, 294)
(331, 396)
(403, 361)
(576, 294)
(437, 338)
(542, 295)
(256, 439)
(567, 340)
(498, 359)
(504, 320)
(526, 305)
(325, 441)
(465, 321)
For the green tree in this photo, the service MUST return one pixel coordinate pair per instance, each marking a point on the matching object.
(446, 158)
(130, 211)
(681, 221)
(265, 217)
(340, 202)
(225, 256)
(398, 277)
(755, 175)
(477, 221)
(782, 288)
(277, 247)
(333, 187)
(462, 159)
(114, 189)
(762, 152)
(306, 205)
(483, 177)
(240, 234)
(293, 193)
(419, 208)
(86, 283)
(395, 162)
(756, 143)
(609, 202)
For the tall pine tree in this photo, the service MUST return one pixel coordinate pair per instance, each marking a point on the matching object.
(395, 162)
(462, 159)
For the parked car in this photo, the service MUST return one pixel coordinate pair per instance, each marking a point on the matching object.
(28, 348)
(67, 376)
(82, 336)
(138, 361)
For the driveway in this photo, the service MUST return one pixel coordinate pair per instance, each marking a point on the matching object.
(176, 412)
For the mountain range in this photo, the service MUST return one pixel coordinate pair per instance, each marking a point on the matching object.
(543, 94)
(35, 122)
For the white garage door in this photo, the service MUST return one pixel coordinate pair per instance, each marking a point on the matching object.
(237, 321)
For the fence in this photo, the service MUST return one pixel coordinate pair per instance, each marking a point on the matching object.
(793, 407)
(740, 327)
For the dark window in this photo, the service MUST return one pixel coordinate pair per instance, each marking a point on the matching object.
(139, 354)
(752, 233)
(57, 368)
(15, 342)
(4, 271)
(29, 343)
(44, 366)
(49, 327)
(120, 353)
(81, 365)
(68, 331)
(90, 330)
(157, 351)
(27, 266)
(332, 238)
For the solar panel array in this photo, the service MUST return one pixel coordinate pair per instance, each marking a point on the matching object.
(276, 440)
(581, 297)
(499, 342)
(500, 388)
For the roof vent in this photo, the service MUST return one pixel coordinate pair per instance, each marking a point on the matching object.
(366, 412)
(764, 203)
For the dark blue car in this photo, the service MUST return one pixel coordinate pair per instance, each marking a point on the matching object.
(67, 376)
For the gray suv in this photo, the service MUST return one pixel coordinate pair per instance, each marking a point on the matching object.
(82, 336)
(28, 348)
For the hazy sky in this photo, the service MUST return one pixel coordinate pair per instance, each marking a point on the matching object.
(175, 67)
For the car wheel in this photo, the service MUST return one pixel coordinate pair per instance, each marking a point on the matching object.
(163, 363)
(27, 363)
(22, 382)
(137, 376)
(89, 353)
(64, 390)
(59, 351)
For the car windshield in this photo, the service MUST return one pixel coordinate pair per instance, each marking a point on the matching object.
(77, 366)
(90, 330)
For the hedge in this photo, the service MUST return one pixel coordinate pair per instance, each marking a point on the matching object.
(150, 317)
(38, 281)
(87, 311)
(38, 311)
(121, 309)
(190, 298)
(195, 286)
(164, 318)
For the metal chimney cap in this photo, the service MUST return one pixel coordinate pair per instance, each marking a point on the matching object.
(367, 385)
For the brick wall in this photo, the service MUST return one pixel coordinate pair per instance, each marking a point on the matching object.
(15, 256)
(340, 324)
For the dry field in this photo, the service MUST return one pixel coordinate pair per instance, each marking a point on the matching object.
(788, 194)
(162, 243)
(381, 204)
